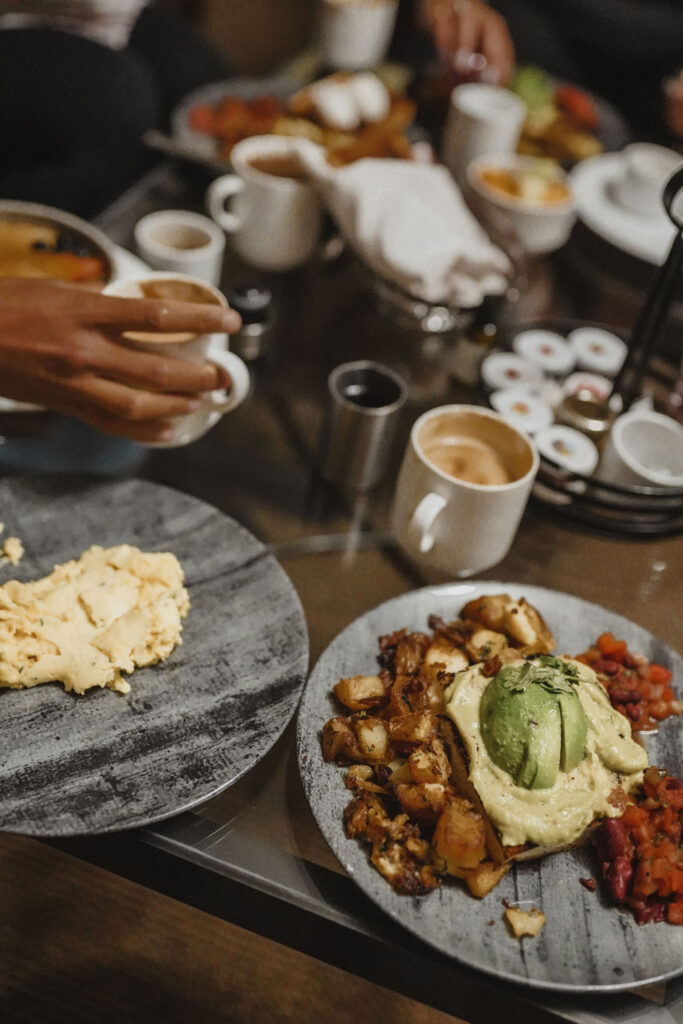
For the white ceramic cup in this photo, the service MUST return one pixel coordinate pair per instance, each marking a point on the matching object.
(449, 524)
(355, 34)
(183, 242)
(481, 119)
(195, 348)
(274, 221)
(644, 448)
(647, 168)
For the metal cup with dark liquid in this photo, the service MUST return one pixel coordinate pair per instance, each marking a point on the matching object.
(364, 407)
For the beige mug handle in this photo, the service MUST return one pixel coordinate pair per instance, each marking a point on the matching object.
(220, 190)
(241, 382)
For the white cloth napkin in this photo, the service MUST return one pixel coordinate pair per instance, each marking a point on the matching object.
(409, 222)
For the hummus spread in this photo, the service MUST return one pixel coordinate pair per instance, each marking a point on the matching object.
(560, 813)
(109, 611)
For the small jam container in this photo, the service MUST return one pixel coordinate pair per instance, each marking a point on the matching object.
(523, 409)
(549, 351)
(568, 448)
(586, 413)
(508, 370)
(600, 387)
(597, 350)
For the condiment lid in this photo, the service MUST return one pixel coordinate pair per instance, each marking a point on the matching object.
(251, 301)
(547, 350)
(567, 448)
(507, 369)
(600, 386)
(597, 350)
(587, 413)
(523, 409)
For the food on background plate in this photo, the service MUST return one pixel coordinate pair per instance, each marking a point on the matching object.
(474, 747)
(110, 611)
(351, 115)
(561, 122)
(30, 249)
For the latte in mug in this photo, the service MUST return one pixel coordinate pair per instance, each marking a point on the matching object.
(463, 486)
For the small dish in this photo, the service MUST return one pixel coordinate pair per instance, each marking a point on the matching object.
(523, 409)
(548, 350)
(543, 215)
(568, 448)
(507, 369)
(597, 350)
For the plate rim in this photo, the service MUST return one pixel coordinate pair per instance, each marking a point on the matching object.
(304, 750)
(596, 173)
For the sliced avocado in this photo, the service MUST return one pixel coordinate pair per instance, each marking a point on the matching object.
(574, 731)
(544, 744)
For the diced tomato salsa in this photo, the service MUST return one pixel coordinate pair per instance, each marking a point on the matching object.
(637, 688)
(640, 854)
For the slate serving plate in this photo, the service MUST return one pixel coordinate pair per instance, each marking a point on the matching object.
(191, 725)
(586, 944)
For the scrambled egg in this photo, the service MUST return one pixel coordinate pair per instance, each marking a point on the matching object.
(107, 612)
(12, 550)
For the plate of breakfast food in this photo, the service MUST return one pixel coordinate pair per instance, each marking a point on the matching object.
(565, 122)
(495, 766)
(151, 652)
(351, 114)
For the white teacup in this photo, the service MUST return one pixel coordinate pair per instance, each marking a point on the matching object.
(647, 168)
(462, 524)
(275, 219)
(195, 348)
(644, 448)
(183, 242)
(355, 34)
(481, 119)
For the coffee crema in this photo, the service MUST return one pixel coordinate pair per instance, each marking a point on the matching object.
(468, 459)
(280, 165)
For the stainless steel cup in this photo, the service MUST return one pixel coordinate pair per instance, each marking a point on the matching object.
(364, 408)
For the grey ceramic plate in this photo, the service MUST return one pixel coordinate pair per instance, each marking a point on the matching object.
(586, 945)
(191, 725)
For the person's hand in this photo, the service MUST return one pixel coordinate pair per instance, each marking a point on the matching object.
(60, 347)
(462, 28)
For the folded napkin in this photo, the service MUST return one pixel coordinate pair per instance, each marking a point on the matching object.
(409, 222)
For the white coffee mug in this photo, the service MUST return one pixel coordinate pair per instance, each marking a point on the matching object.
(454, 525)
(644, 448)
(274, 220)
(355, 34)
(482, 119)
(201, 348)
(183, 242)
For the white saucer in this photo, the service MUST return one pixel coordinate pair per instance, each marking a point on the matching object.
(645, 237)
